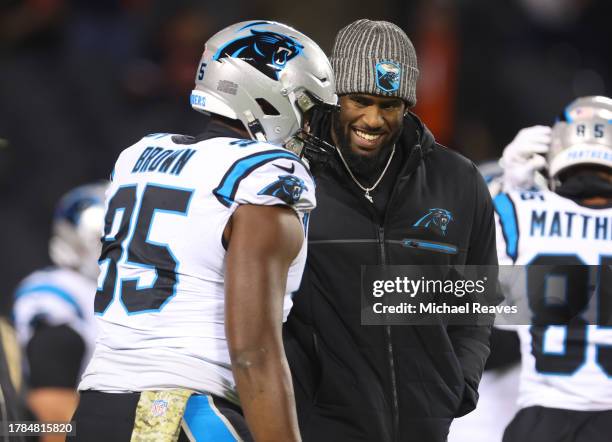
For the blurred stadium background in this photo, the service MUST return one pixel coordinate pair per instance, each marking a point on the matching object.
(80, 80)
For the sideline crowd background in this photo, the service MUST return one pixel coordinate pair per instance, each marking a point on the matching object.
(80, 80)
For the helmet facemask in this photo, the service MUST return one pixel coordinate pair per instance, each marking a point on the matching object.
(309, 141)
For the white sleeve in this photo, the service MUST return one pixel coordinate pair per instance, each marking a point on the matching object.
(283, 180)
(56, 306)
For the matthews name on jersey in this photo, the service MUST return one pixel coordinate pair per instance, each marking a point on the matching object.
(160, 296)
(568, 367)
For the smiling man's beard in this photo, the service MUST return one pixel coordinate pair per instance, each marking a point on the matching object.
(367, 168)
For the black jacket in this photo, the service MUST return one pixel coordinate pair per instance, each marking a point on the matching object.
(383, 383)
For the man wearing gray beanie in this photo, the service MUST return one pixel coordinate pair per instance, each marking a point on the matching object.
(387, 194)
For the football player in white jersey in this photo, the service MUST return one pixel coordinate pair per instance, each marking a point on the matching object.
(565, 391)
(53, 310)
(204, 243)
(497, 390)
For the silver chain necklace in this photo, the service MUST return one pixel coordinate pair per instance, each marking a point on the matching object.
(367, 190)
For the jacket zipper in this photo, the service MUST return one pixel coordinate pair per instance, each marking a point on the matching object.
(431, 246)
(383, 261)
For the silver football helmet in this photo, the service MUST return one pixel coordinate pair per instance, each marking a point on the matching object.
(267, 75)
(78, 224)
(581, 136)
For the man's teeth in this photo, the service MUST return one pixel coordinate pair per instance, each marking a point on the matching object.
(366, 136)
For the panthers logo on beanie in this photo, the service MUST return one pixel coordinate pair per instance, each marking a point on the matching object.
(266, 51)
(388, 76)
(436, 219)
(287, 188)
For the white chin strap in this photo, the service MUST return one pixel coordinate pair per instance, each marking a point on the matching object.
(254, 126)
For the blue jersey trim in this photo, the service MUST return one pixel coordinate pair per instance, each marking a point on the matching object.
(53, 290)
(227, 188)
(509, 223)
(203, 422)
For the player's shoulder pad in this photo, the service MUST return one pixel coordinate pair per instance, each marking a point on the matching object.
(42, 294)
(529, 196)
(155, 152)
(33, 290)
(267, 175)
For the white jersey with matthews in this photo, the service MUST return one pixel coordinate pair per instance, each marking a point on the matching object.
(562, 367)
(59, 296)
(160, 298)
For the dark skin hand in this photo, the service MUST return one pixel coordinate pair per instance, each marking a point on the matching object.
(263, 242)
(369, 122)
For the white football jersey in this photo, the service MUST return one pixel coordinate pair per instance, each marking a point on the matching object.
(562, 367)
(62, 297)
(160, 298)
(497, 393)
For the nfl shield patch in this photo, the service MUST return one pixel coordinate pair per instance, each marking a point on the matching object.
(388, 76)
(159, 407)
(159, 414)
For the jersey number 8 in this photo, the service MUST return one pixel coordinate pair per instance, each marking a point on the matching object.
(569, 313)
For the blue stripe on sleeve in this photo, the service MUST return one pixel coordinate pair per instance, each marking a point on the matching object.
(52, 290)
(226, 191)
(507, 215)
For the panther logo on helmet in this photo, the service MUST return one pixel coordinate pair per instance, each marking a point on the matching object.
(436, 219)
(287, 188)
(271, 111)
(266, 51)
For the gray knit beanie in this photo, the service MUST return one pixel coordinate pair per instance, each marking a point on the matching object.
(375, 57)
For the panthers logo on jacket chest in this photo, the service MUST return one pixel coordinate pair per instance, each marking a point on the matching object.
(436, 220)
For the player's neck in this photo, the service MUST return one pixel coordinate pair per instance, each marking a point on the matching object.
(596, 201)
(233, 125)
